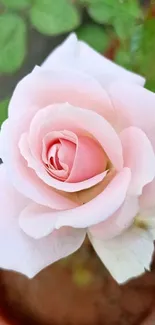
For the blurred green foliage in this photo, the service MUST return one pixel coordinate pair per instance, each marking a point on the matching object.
(94, 35)
(12, 42)
(122, 15)
(54, 17)
(3, 110)
(124, 30)
(16, 4)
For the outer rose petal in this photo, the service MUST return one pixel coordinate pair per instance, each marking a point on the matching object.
(118, 222)
(91, 213)
(146, 219)
(127, 255)
(24, 178)
(42, 88)
(34, 92)
(21, 253)
(34, 219)
(134, 106)
(139, 157)
(147, 199)
(104, 205)
(74, 54)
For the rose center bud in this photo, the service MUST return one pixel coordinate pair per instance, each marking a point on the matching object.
(60, 159)
(74, 159)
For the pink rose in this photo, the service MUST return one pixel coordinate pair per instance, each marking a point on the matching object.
(78, 157)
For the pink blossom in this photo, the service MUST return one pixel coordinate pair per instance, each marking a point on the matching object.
(78, 151)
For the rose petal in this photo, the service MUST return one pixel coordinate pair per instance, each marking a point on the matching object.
(33, 219)
(90, 160)
(93, 212)
(50, 138)
(52, 182)
(21, 253)
(147, 199)
(42, 88)
(146, 220)
(66, 153)
(77, 120)
(104, 205)
(90, 193)
(74, 54)
(24, 178)
(139, 157)
(127, 255)
(66, 52)
(134, 106)
(32, 93)
(118, 222)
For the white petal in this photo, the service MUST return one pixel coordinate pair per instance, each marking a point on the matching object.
(24, 178)
(139, 157)
(118, 222)
(147, 199)
(35, 219)
(64, 55)
(74, 54)
(18, 251)
(146, 218)
(38, 222)
(133, 106)
(127, 255)
(99, 208)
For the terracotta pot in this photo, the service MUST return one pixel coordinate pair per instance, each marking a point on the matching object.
(77, 291)
(3, 321)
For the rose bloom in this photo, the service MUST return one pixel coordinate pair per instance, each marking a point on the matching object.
(78, 158)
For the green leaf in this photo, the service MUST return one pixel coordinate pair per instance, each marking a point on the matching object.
(122, 14)
(87, 2)
(12, 42)
(102, 12)
(150, 84)
(123, 58)
(124, 26)
(4, 110)
(94, 35)
(16, 4)
(143, 49)
(52, 17)
(136, 39)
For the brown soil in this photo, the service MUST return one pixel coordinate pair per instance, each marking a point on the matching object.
(77, 291)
